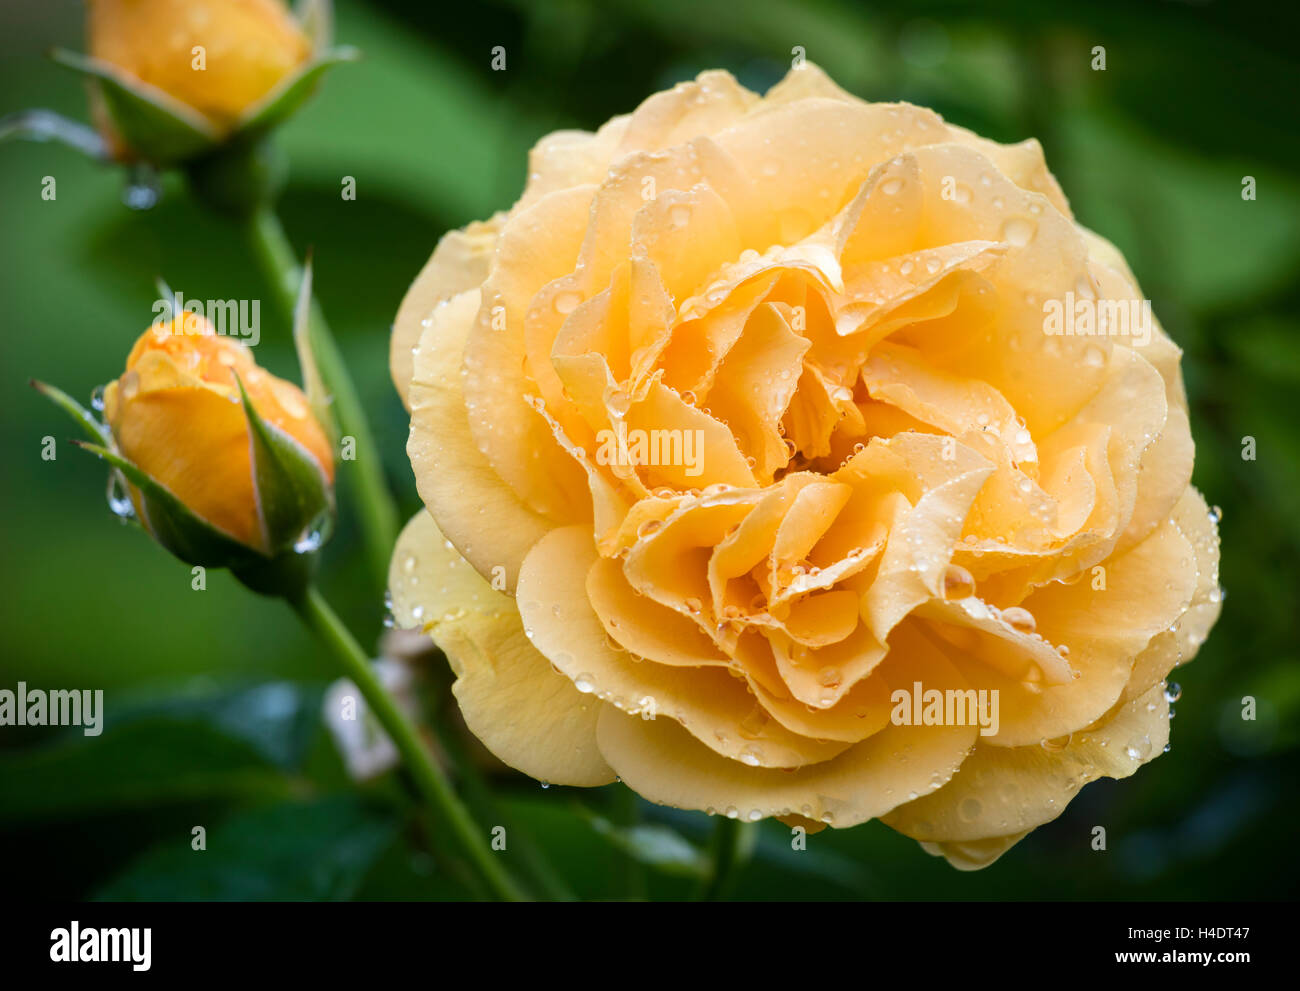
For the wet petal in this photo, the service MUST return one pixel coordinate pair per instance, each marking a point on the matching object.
(524, 712)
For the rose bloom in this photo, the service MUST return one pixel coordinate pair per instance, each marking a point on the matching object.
(176, 413)
(249, 46)
(748, 417)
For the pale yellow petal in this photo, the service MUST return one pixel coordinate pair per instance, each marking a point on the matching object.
(524, 712)
(489, 524)
(459, 263)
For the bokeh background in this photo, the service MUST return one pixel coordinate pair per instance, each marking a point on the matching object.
(214, 697)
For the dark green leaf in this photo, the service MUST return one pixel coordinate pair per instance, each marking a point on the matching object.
(157, 760)
(292, 851)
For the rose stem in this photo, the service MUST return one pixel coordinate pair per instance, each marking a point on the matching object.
(375, 506)
(478, 795)
(733, 842)
(429, 778)
(627, 814)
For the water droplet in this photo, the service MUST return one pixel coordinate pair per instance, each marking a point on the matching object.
(119, 498)
(1020, 620)
(143, 189)
(649, 528)
(584, 684)
(618, 401)
(313, 536)
(97, 399)
(1173, 692)
(958, 583)
(1018, 230)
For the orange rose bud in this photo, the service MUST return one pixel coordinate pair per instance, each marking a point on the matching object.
(218, 57)
(177, 414)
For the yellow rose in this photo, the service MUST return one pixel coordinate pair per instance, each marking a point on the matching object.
(244, 47)
(756, 427)
(176, 413)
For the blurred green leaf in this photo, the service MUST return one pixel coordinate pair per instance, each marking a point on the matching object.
(659, 847)
(152, 761)
(292, 851)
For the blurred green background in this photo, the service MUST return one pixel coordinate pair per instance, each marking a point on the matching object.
(214, 697)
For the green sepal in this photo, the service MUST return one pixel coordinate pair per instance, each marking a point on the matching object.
(172, 524)
(318, 395)
(96, 431)
(46, 125)
(316, 18)
(154, 125)
(294, 500)
(291, 93)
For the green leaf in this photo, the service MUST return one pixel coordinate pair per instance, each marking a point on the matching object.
(153, 761)
(318, 394)
(660, 847)
(96, 431)
(292, 92)
(279, 719)
(294, 500)
(171, 523)
(317, 850)
(156, 126)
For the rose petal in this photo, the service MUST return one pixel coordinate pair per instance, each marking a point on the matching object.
(459, 263)
(665, 764)
(477, 511)
(708, 701)
(1010, 790)
(530, 717)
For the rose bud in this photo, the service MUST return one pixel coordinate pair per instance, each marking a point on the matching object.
(224, 464)
(174, 80)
